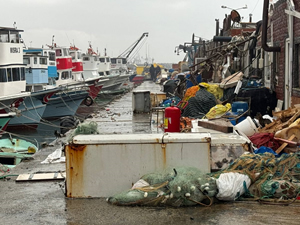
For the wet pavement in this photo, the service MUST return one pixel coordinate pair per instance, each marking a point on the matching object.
(44, 202)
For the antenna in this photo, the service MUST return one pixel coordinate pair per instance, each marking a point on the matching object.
(15, 25)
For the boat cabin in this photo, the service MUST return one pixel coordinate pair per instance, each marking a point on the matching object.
(12, 69)
(105, 65)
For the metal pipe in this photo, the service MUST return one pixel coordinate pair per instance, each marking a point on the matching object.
(222, 39)
(265, 30)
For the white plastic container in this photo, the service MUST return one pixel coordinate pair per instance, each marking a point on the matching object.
(247, 127)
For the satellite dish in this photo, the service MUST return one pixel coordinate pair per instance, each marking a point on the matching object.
(235, 16)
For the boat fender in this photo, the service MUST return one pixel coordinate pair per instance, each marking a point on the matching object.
(88, 101)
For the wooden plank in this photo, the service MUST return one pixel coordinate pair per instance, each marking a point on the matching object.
(285, 144)
(41, 176)
(218, 125)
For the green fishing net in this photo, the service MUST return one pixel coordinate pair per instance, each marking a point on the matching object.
(184, 186)
(85, 128)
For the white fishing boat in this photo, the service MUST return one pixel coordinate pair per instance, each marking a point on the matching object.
(12, 73)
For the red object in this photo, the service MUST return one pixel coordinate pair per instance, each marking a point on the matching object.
(264, 139)
(77, 66)
(172, 119)
(64, 63)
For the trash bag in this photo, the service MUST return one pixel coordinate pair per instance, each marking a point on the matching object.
(232, 185)
(218, 111)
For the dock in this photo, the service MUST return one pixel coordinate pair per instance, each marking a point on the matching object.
(44, 202)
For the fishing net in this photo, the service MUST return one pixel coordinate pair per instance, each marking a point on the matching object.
(199, 105)
(85, 128)
(184, 186)
(271, 177)
(3, 169)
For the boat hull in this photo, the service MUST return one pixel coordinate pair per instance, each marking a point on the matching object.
(64, 103)
(32, 110)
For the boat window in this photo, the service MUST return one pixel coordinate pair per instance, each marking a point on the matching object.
(65, 51)
(51, 81)
(107, 59)
(3, 36)
(35, 60)
(107, 73)
(58, 52)
(86, 59)
(95, 58)
(113, 61)
(72, 54)
(9, 76)
(45, 53)
(3, 77)
(22, 73)
(119, 61)
(65, 75)
(102, 59)
(43, 61)
(16, 74)
(51, 56)
(78, 55)
(26, 61)
(101, 73)
(124, 61)
(13, 37)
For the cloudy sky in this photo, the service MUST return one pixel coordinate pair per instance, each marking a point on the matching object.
(116, 24)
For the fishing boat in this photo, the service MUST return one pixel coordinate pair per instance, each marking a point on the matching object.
(33, 107)
(66, 101)
(13, 151)
(12, 74)
(91, 63)
(105, 71)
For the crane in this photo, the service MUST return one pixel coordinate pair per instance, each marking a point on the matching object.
(130, 49)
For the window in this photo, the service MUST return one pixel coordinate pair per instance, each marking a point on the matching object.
(58, 52)
(9, 75)
(78, 55)
(65, 75)
(3, 36)
(107, 59)
(65, 51)
(3, 77)
(16, 74)
(296, 75)
(26, 61)
(35, 60)
(13, 37)
(43, 61)
(51, 56)
(72, 54)
(102, 60)
(113, 61)
(124, 61)
(101, 73)
(85, 58)
(95, 58)
(51, 81)
(22, 73)
(119, 61)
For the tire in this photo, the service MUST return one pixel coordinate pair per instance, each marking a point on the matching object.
(88, 101)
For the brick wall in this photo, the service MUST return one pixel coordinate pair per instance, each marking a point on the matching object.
(280, 33)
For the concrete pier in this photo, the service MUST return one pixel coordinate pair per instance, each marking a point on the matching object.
(44, 202)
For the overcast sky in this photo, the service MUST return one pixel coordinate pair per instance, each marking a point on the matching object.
(116, 24)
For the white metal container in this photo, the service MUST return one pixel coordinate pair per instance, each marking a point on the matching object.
(104, 165)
